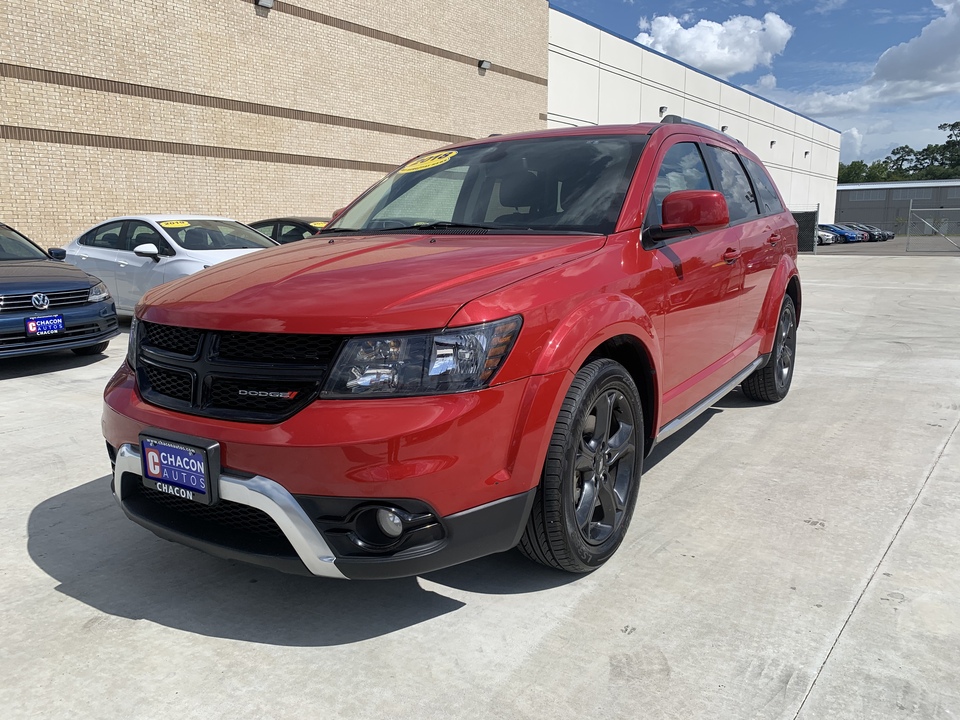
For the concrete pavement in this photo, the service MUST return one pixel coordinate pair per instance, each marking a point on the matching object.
(799, 560)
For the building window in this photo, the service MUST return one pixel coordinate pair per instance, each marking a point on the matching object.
(864, 195)
(913, 194)
(953, 193)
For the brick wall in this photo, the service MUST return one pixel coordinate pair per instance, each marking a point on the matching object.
(226, 108)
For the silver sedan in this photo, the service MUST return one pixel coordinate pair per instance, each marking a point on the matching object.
(133, 254)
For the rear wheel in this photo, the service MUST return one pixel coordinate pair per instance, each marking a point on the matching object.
(771, 383)
(592, 472)
(92, 349)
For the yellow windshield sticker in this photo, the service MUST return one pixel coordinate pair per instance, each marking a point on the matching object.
(428, 161)
(174, 223)
(319, 223)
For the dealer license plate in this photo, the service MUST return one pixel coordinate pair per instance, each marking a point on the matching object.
(177, 469)
(47, 325)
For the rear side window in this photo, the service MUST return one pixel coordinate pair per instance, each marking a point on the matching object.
(769, 200)
(734, 184)
(106, 236)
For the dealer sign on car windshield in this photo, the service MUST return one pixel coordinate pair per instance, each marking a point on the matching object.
(175, 469)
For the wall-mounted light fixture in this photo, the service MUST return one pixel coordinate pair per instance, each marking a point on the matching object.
(483, 64)
(723, 128)
(772, 143)
(265, 3)
(663, 110)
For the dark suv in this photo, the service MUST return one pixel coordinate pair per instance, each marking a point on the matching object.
(477, 354)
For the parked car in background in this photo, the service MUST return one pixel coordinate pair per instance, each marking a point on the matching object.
(844, 234)
(876, 234)
(133, 254)
(290, 229)
(825, 237)
(873, 234)
(477, 355)
(862, 236)
(46, 304)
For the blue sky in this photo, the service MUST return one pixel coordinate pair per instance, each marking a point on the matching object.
(884, 72)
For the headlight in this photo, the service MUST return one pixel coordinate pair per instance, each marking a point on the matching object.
(98, 293)
(132, 343)
(450, 361)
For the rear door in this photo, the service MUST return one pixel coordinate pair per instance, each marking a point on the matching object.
(97, 252)
(702, 282)
(757, 235)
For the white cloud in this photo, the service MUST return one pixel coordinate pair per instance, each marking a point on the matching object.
(851, 143)
(926, 66)
(738, 45)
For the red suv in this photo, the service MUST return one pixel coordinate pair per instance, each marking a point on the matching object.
(476, 354)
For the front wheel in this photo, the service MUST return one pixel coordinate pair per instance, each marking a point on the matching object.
(771, 383)
(591, 476)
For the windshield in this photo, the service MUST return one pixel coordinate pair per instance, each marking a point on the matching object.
(214, 235)
(14, 246)
(556, 184)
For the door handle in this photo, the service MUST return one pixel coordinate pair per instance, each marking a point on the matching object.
(731, 256)
(774, 239)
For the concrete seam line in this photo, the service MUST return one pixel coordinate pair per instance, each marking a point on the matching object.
(923, 486)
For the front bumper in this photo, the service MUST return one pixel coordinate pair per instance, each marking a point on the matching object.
(285, 537)
(84, 325)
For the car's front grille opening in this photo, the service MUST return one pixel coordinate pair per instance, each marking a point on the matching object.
(266, 396)
(226, 523)
(182, 341)
(57, 299)
(277, 347)
(171, 383)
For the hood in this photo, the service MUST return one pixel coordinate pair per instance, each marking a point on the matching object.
(359, 284)
(29, 276)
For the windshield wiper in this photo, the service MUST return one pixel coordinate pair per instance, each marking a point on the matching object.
(443, 225)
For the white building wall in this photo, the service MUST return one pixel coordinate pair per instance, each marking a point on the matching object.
(596, 77)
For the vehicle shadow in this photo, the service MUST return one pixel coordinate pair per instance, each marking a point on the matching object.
(100, 558)
(20, 367)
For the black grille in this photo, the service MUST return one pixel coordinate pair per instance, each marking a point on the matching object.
(183, 341)
(224, 513)
(174, 384)
(277, 347)
(249, 377)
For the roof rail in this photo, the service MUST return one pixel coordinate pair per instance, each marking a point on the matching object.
(676, 119)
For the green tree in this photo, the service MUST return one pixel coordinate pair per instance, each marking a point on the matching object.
(855, 172)
(877, 172)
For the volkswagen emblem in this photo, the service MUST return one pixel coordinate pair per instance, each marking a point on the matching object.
(40, 301)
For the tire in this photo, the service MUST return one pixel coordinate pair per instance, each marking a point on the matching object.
(92, 349)
(591, 476)
(771, 383)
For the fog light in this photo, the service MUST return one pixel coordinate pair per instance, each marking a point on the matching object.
(389, 523)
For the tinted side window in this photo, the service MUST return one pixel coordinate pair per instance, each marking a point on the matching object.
(266, 228)
(734, 184)
(682, 169)
(291, 233)
(106, 236)
(769, 200)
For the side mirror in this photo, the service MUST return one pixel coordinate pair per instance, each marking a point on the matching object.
(57, 253)
(337, 213)
(147, 250)
(686, 212)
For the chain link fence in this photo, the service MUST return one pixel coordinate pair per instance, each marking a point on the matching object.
(933, 229)
(807, 228)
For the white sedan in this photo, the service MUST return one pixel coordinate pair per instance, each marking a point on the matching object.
(133, 254)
